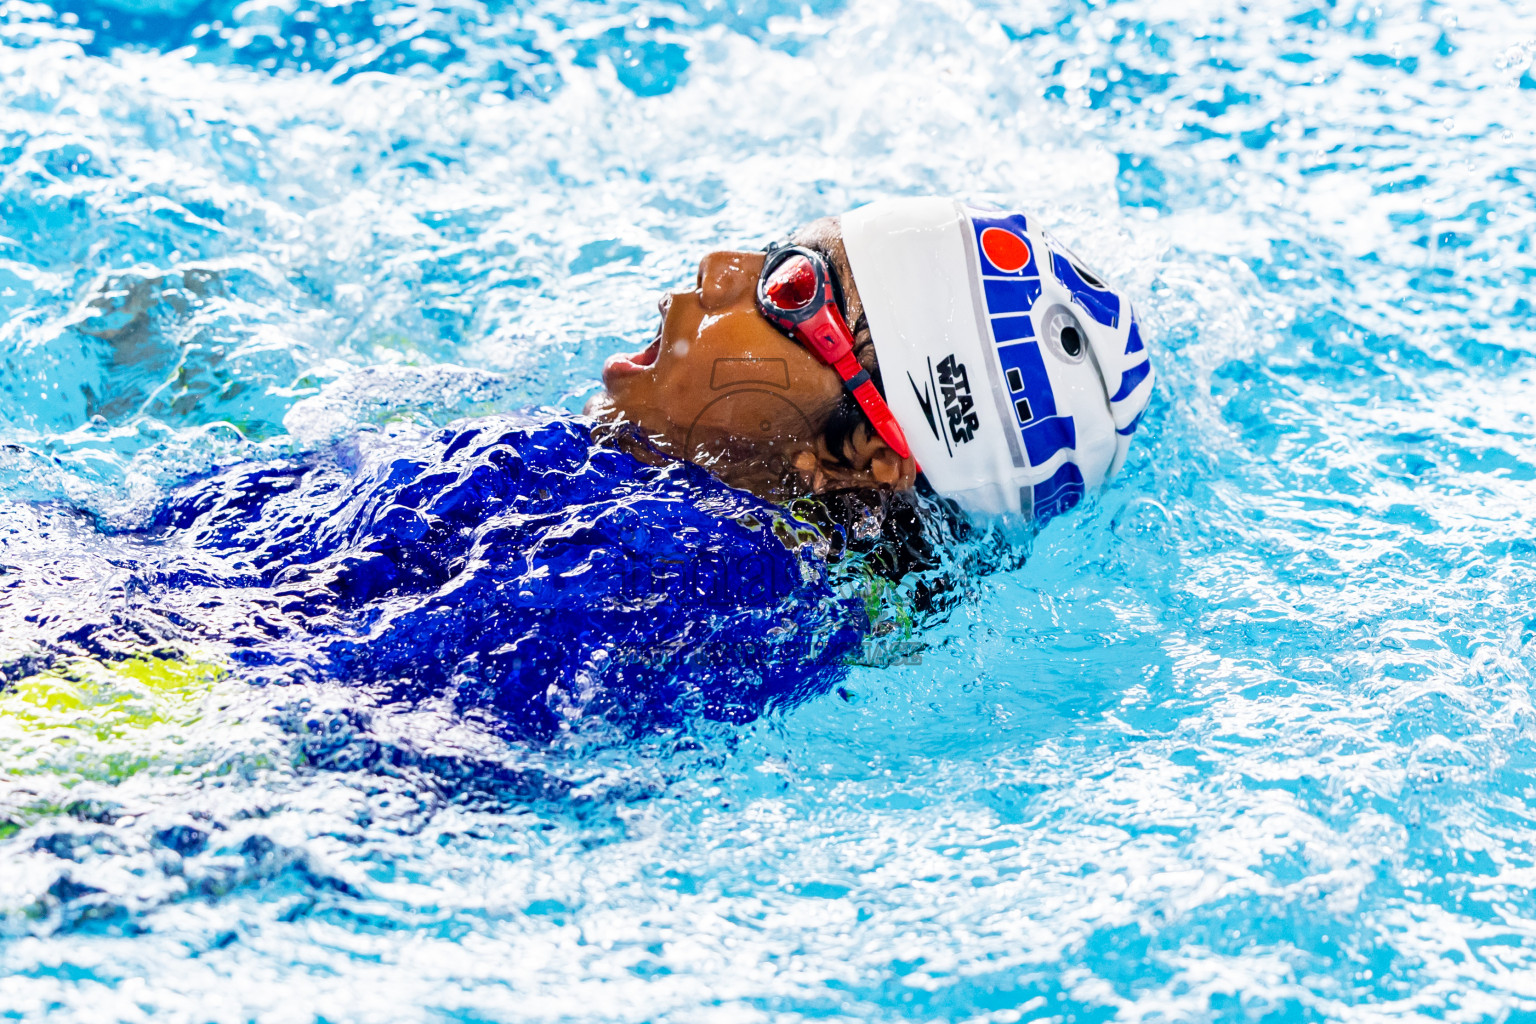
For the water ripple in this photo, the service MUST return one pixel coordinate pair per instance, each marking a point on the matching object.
(1246, 738)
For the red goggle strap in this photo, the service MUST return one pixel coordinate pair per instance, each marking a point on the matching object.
(856, 379)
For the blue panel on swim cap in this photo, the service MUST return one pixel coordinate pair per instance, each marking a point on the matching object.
(1045, 438)
(1058, 494)
(1011, 294)
(1014, 224)
(1130, 428)
(1007, 329)
(1101, 303)
(1129, 379)
(1133, 343)
(1027, 360)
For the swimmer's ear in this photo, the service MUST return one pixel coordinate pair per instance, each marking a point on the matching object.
(870, 463)
(889, 469)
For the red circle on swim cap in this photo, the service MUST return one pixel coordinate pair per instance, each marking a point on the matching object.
(1007, 251)
(792, 283)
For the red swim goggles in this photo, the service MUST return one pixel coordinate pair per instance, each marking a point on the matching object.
(795, 294)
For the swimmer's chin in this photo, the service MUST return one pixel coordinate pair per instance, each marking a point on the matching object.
(611, 429)
(600, 407)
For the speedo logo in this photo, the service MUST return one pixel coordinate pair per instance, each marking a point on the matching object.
(952, 385)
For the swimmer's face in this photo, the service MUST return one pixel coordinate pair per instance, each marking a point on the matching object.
(722, 387)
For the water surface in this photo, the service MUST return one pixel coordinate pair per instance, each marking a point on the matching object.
(1248, 738)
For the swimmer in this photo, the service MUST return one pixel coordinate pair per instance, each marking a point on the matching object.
(912, 356)
(910, 343)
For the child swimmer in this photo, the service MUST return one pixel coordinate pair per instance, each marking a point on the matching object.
(912, 347)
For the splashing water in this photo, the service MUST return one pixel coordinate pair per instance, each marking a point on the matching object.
(1248, 738)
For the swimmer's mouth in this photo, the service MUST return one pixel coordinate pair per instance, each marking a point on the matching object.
(621, 365)
(634, 362)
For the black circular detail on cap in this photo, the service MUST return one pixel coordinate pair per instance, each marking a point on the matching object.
(1062, 334)
(1071, 342)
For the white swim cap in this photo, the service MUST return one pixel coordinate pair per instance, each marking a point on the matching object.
(1017, 375)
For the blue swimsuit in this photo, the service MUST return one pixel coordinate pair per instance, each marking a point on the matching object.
(516, 566)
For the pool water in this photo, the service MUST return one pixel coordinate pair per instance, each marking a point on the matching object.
(1249, 737)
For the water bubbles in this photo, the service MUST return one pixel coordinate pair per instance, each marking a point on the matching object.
(1142, 519)
(1242, 718)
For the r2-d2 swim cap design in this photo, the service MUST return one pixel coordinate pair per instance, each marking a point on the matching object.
(1017, 375)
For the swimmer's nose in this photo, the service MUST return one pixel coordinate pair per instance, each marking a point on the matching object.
(726, 278)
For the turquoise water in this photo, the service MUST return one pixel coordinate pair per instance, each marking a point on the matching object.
(1248, 738)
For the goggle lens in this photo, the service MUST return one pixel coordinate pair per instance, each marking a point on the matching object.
(792, 285)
